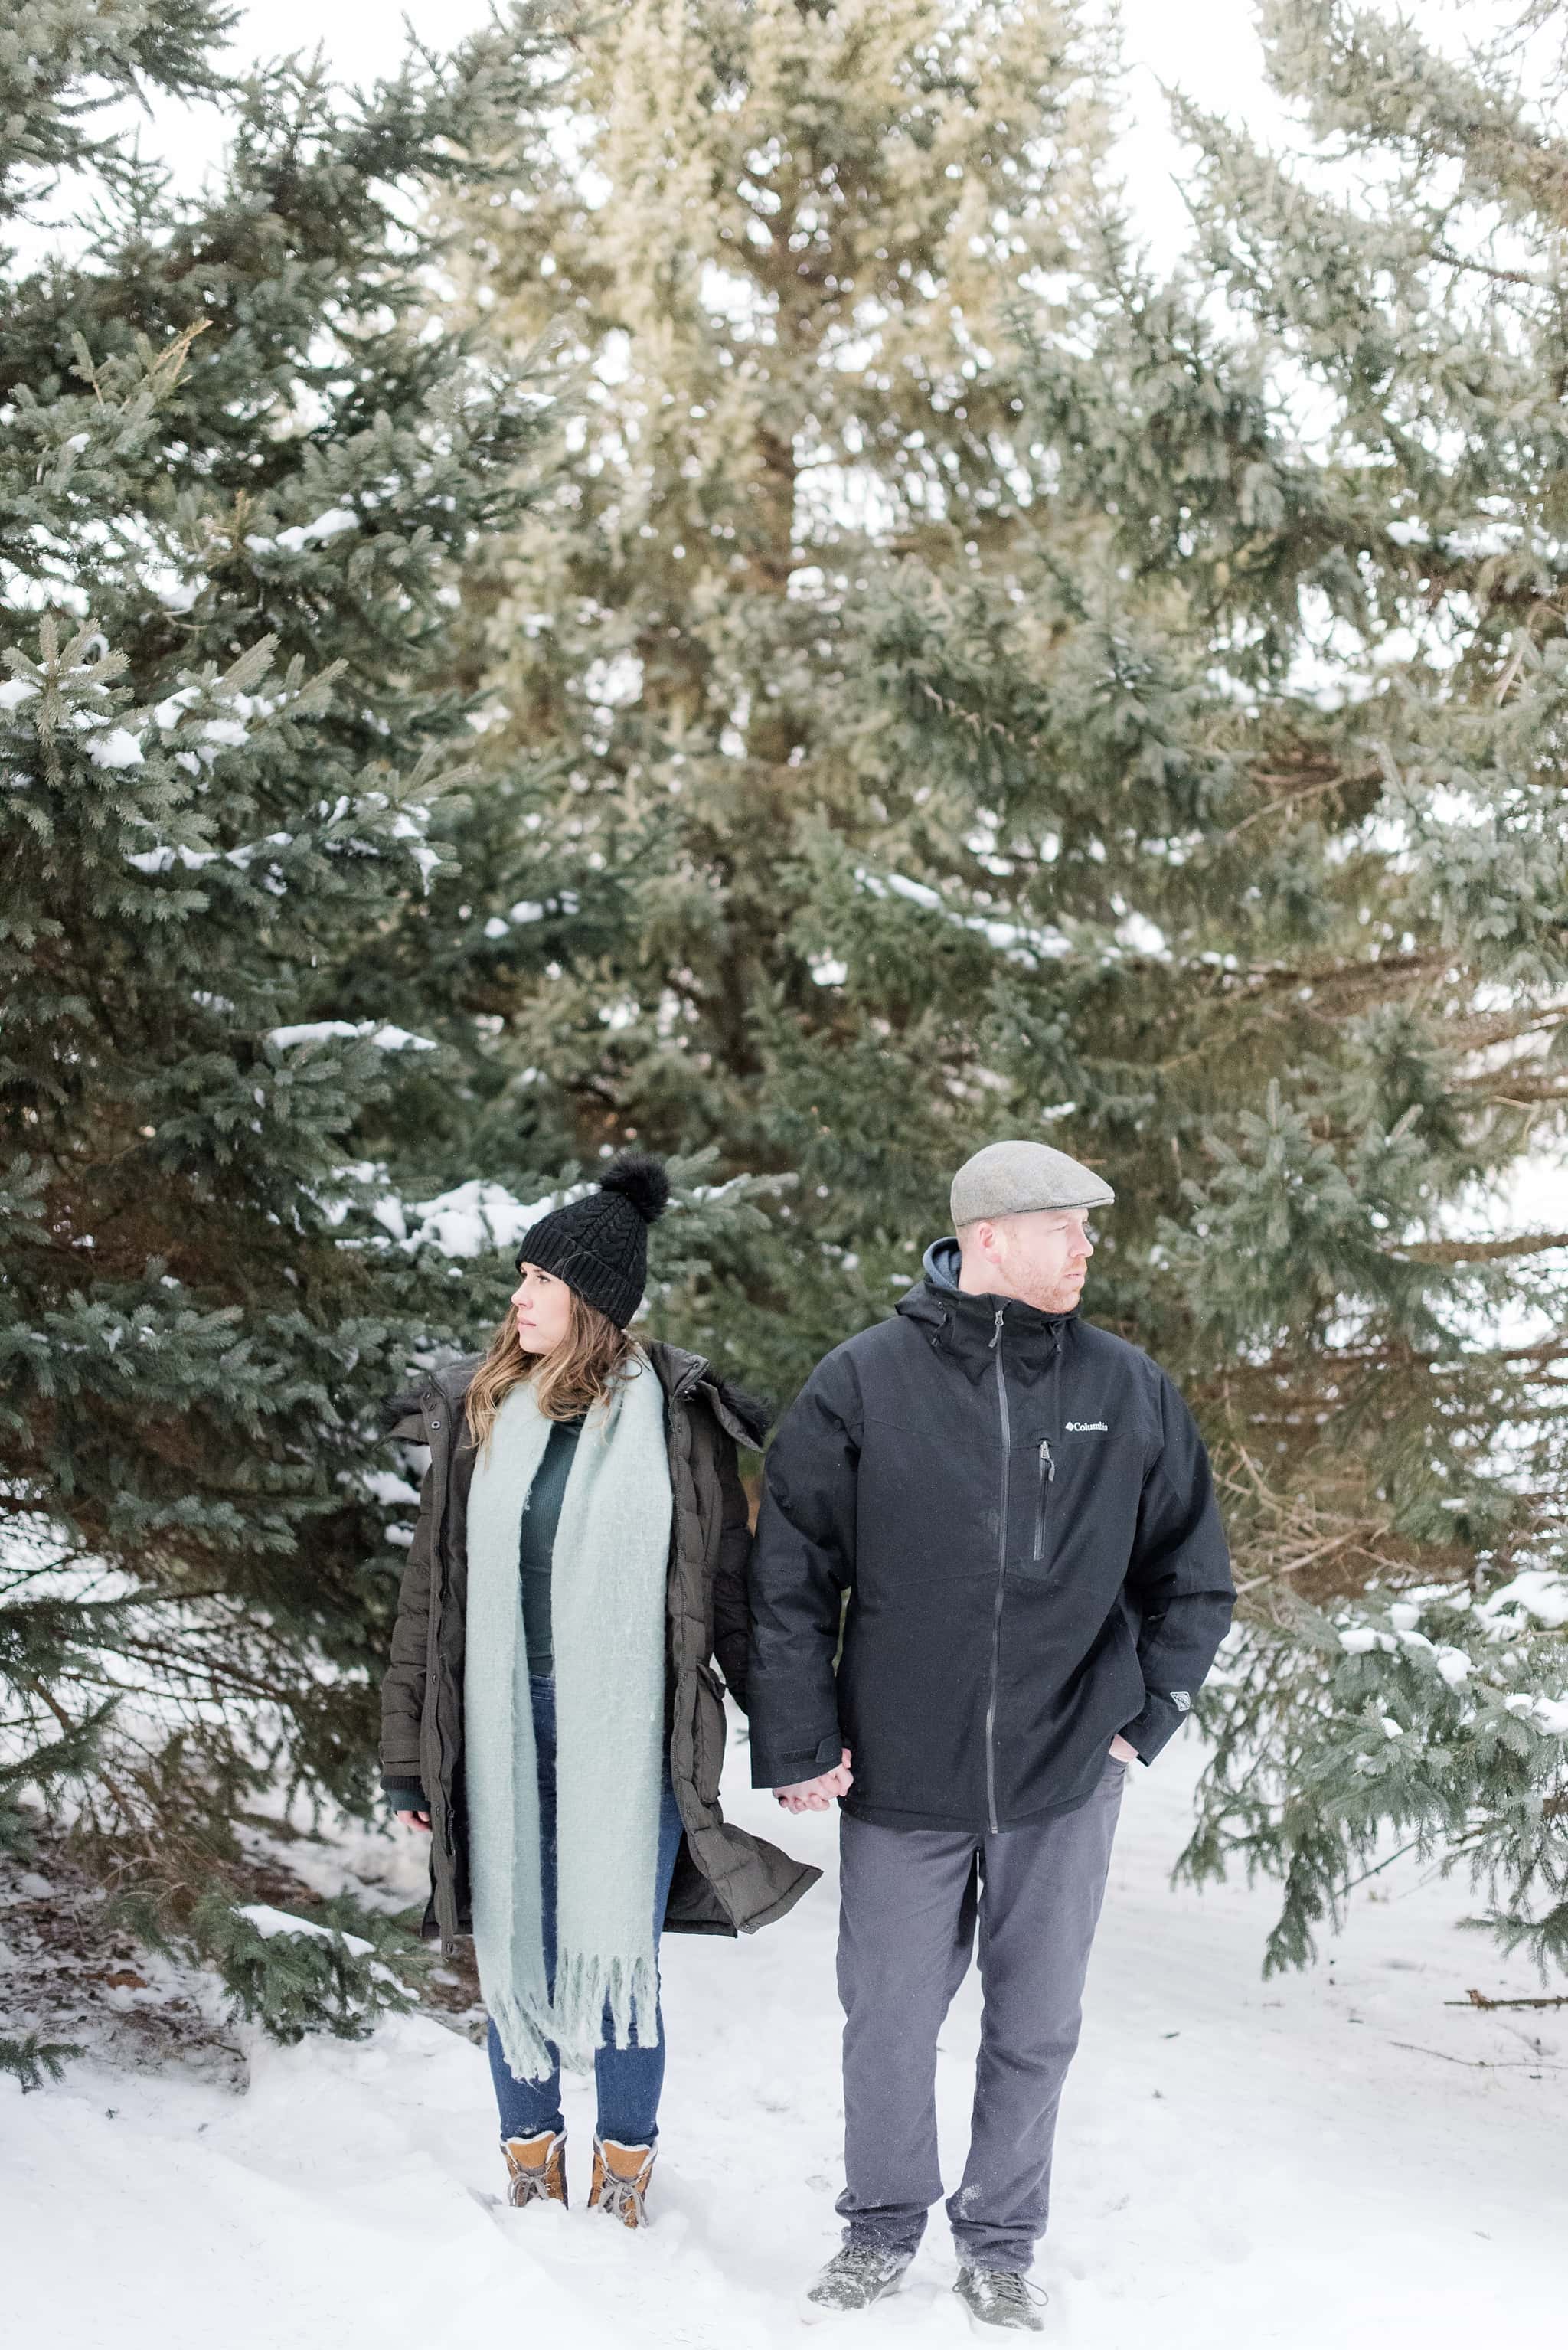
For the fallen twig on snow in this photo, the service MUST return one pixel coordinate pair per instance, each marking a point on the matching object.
(1484, 2064)
(1479, 1999)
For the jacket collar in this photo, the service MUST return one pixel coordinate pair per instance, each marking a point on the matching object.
(964, 1326)
(680, 1373)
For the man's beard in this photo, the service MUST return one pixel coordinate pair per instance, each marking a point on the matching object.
(1062, 1297)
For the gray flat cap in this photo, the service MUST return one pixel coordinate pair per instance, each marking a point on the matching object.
(1015, 1178)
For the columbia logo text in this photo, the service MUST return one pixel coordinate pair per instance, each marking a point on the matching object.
(1084, 1427)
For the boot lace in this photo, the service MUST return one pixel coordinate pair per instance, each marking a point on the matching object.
(857, 2273)
(529, 2182)
(1008, 2289)
(865, 2259)
(621, 2197)
(529, 2185)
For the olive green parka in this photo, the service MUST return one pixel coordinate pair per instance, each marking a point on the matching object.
(726, 1881)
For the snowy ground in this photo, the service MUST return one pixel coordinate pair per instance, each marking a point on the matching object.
(1339, 2159)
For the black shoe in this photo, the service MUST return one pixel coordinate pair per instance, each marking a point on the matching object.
(854, 2278)
(1000, 2297)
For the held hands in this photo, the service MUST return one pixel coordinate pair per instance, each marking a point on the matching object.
(815, 1794)
(421, 1820)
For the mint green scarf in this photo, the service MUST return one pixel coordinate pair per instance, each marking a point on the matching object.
(608, 1600)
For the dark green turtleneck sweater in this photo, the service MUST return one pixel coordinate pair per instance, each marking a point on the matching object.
(536, 1544)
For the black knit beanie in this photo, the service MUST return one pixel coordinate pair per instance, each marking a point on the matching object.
(598, 1246)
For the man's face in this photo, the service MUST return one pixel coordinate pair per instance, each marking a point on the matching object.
(1040, 1259)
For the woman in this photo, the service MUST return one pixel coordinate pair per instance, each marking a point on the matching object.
(550, 1717)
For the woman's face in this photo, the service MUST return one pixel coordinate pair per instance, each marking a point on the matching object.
(544, 1307)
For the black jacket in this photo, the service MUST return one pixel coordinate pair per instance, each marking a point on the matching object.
(1020, 1508)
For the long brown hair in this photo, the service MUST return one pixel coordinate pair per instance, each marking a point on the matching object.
(586, 1368)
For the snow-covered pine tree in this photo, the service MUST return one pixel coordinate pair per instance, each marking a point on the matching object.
(780, 240)
(238, 478)
(992, 707)
(1344, 491)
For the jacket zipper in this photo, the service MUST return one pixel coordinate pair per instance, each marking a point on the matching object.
(1047, 1479)
(1047, 1457)
(1001, 1580)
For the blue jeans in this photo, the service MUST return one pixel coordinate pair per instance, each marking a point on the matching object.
(629, 2079)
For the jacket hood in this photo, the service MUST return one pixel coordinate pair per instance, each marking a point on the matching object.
(964, 1324)
(448, 1379)
(942, 1263)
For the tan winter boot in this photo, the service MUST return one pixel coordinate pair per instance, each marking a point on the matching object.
(538, 2168)
(621, 2174)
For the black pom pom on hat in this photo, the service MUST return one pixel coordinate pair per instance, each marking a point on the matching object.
(641, 1178)
(599, 1245)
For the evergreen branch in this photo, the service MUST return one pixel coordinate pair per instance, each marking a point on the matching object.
(1403, 1850)
(57, 69)
(1472, 265)
(1479, 1251)
(1291, 797)
(30, 2059)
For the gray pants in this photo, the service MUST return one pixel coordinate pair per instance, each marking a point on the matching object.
(910, 1900)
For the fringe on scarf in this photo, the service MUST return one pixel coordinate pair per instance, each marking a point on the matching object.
(572, 2027)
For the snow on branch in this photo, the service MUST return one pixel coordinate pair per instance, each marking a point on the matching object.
(382, 1033)
(1020, 943)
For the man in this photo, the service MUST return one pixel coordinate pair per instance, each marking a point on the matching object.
(1019, 1508)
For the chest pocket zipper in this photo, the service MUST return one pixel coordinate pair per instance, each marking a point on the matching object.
(1047, 1479)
